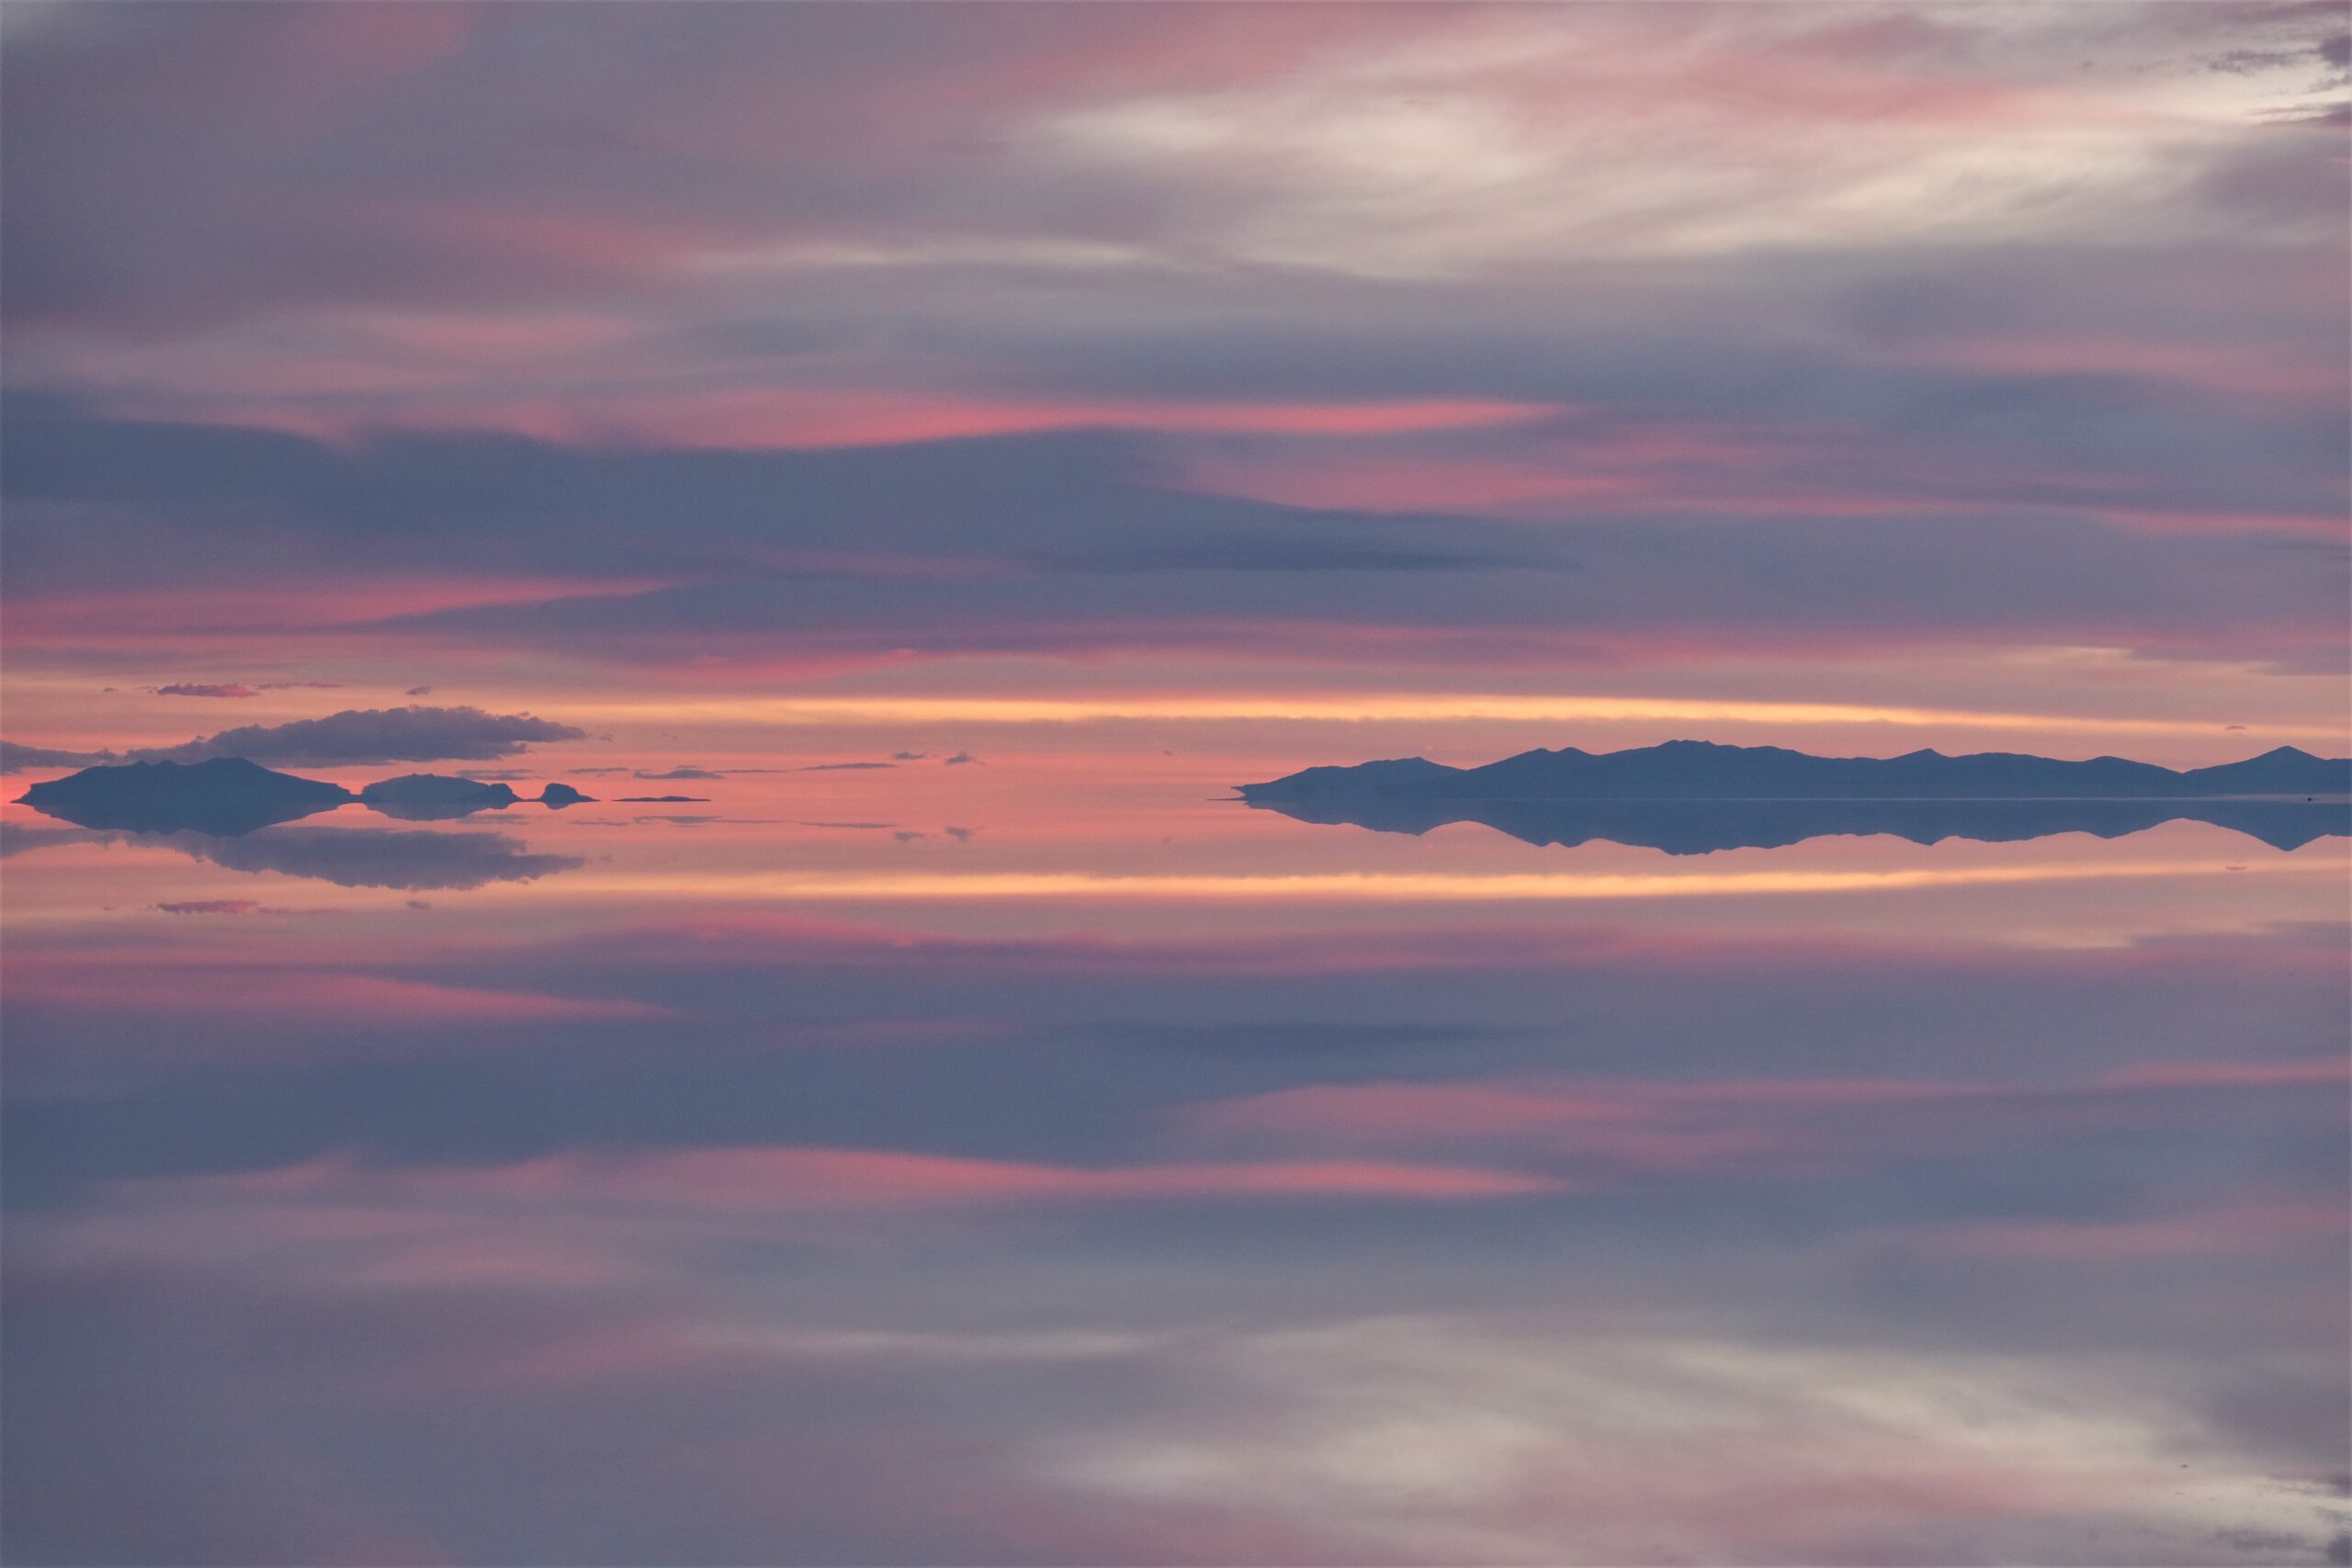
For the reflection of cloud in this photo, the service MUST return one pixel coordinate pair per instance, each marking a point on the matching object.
(1449, 1439)
(677, 772)
(415, 860)
(271, 1002)
(1803, 1127)
(1350, 888)
(349, 857)
(15, 838)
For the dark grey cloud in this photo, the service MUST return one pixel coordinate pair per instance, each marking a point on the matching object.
(214, 500)
(16, 758)
(204, 689)
(1066, 544)
(239, 688)
(843, 767)
(375, 735)
(1689, 585)
(353, 735)
(678, 772)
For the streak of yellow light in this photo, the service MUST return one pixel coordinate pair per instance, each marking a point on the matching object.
(1343, 708)
(1370, 887)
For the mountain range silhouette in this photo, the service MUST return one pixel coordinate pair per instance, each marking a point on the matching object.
(228, 796)
(1695, 797)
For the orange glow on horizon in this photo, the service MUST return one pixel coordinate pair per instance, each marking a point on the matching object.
(1347, 708)
(1400, 886)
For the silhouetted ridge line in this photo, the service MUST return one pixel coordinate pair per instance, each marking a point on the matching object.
(1693, 796)
(230, 796)
(227, 795)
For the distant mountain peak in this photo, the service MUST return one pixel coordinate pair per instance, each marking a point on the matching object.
(225, 795)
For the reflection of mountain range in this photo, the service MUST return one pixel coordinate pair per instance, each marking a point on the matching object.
(1690, 798)
(229, 796)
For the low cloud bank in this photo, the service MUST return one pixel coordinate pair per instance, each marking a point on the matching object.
(353, 735)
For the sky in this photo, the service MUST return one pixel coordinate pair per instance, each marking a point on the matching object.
(1855, 377)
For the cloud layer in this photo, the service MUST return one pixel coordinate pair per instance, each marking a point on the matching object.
(351, 736)
(1401, 333)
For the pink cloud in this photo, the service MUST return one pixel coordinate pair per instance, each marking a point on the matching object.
(190, 986)
(758, 418)
(794, 1180)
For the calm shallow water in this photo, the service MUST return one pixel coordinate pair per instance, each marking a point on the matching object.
(1055, 1163)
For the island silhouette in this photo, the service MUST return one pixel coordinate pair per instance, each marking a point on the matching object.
(229, 796)
(1696, 796)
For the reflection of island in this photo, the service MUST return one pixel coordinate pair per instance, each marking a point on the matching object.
(410, 860)
(1691, 797)
(228, 797)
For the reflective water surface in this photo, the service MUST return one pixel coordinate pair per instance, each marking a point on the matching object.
(1040, 1162)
